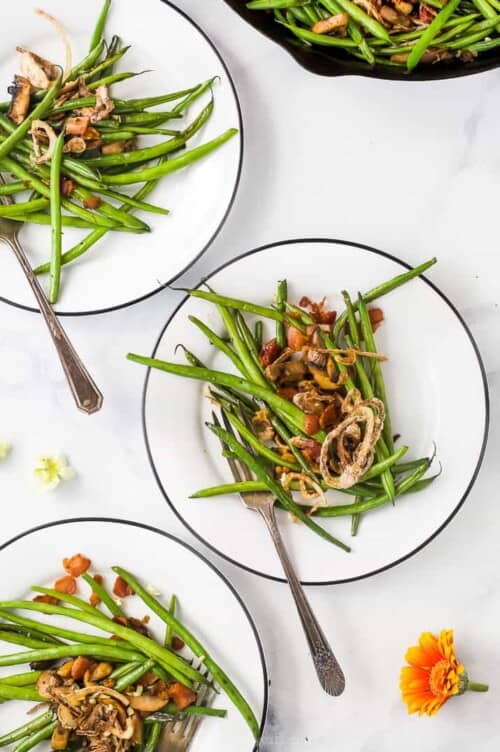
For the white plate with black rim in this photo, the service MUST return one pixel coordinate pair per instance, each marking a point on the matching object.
(124, 268)
(208, 605)
(423, 336)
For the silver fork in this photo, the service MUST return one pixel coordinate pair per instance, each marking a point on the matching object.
(329, 673)
(178, 735)
(87, 396)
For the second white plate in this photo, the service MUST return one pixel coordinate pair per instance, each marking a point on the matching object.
(124, 268)
(433, 363)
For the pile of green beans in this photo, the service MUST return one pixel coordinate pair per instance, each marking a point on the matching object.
(95, 201)
(424, 32)
(242, 396)
(132, 657)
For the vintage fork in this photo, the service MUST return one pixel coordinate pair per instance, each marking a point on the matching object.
(329, 673)
(87, 396)
(178, 735)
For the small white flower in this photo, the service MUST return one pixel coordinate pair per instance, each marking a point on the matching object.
(50, 470)
(5, 448)
(152, 590)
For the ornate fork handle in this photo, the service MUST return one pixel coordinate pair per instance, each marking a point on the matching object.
(87, 396)
(327, 668)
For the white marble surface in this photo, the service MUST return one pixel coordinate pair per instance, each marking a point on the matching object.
(411, 169)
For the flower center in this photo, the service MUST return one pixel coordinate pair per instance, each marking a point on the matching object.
(444, 679)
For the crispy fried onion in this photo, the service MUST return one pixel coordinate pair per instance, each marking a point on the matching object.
(64, 37)
(309, 489)
(349, 448)
(40, 132)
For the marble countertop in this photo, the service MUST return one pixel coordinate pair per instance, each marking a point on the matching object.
(413, 169)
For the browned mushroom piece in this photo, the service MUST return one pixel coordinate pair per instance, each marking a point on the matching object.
(75, 145)
(60, 737)
(47, 682)
(40, 73)
(323, 379)
(119, 147)
(333, 23)
(20, 102)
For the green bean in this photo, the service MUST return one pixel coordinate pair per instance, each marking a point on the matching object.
(151, 173)
(242, 305)
(465, 42)
(257, 445)
(151, 649)
(26, 729)
(26, 207)
(107, 63)
(10, 165)
(248, 339)
(34, 739)
(196, 647)
(352, 29)
(258, 334)
(430, 32)
(99, 27)
(84, 245)
(281, 296)
(133, 675)
(384, 289)
(277, 403)
(9, 692)
(378, 377)
(254, 464)
(55, 219)
(48, 629)
(171, 712)
(65, 651)
(483, 46)
(138, 105)
(102, 593)
(38, 113)
(267, 4)
(132, 130)
(194, 95)
(355, 520)
(250, 369)
(367, 505)
(16, 187)
(169, 631)
(87, 61)
(138, 155)
(21, 680)
(135, 203)
(21, 639)
(217, 341)
(44, 219)
(153, 737)
(114, 78)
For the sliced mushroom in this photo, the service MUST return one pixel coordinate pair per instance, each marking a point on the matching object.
(20, 103)
(60, 738)
(46, 683)
(75, 145)
(104, 105)
(327, 25)
(40, 73)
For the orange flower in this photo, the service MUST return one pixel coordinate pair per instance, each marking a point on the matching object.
(434, 674)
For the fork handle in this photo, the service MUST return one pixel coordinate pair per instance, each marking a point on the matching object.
(86, 394)
(329, 673)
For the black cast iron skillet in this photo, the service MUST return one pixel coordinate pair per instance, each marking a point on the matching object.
(329, 62)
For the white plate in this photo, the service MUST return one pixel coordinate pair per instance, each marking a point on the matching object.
(124, 268)
(433, 364)
(209, 606)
